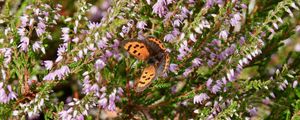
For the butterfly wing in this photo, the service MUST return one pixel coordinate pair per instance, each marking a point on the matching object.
(164, 64)
(158, 43)
(148, 75)
(136, 48)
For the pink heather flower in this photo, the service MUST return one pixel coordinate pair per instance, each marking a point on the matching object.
(12, 95)
(159, 8)
(86, 85)
(169, 38)
(200, 98)
(50, 76)
(183, 50)
(236, 19)
(295, 83)
(95, 88)
(223, 35)
(24, 43)
(61, 50)
(216, 88)
(242, 40)
(62, 72)
(266, 101)
(193, 38)
(65, 35)
(102, 43)
(112, 105)
(108, 53)
(196, 62)
(253, 111)
(21, 31)
(125, 29)
(120, 91)
(38, 45)
(244, 6)
(187, 71)
(177, 23)
(103, 102)
(66, 115)
(99, 64)
(41, 27)
(272, 95)
(24, 19)
(173, 67)
(209, 3)
(3, 97)
(208, 82)
(141, 25)
(93, 25)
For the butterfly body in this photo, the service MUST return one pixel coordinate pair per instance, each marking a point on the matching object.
(154, 52)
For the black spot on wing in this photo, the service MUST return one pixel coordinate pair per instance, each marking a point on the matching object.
(141, 82)
(134, 51)
(136, 46)
(129, 47)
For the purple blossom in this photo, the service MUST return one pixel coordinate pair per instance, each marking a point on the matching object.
(38, 46)
(196, 62)
(200, 98)
(120, 91)
(177, 23)
(173, 67)
(112, 105)
(99, 64)
(242, 40)
(93, 25)
(3, 97)
(102, 43)
(141, 25)
(253, 111)
(209, 3)
(50, 76)
(216, 88)
(65, 35)
(193, 38)
(169, 38)
(295, 83)
(61, 50)
(266, 101)
(66, 114)
(103, 102)
(223, 35)
(159, 8)
(48, 64)
(187, 71)
(24, 43)
(208, 82)
(236, 19)
(183, 50)
(12, 95)
(41, 27)
(24, 19)
(62, 72)
(22, 31)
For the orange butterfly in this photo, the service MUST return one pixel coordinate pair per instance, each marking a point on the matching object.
(152, 51)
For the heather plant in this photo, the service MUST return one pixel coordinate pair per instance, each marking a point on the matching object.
(229, 59)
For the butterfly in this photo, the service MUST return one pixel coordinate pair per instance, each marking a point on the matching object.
(154, 53)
